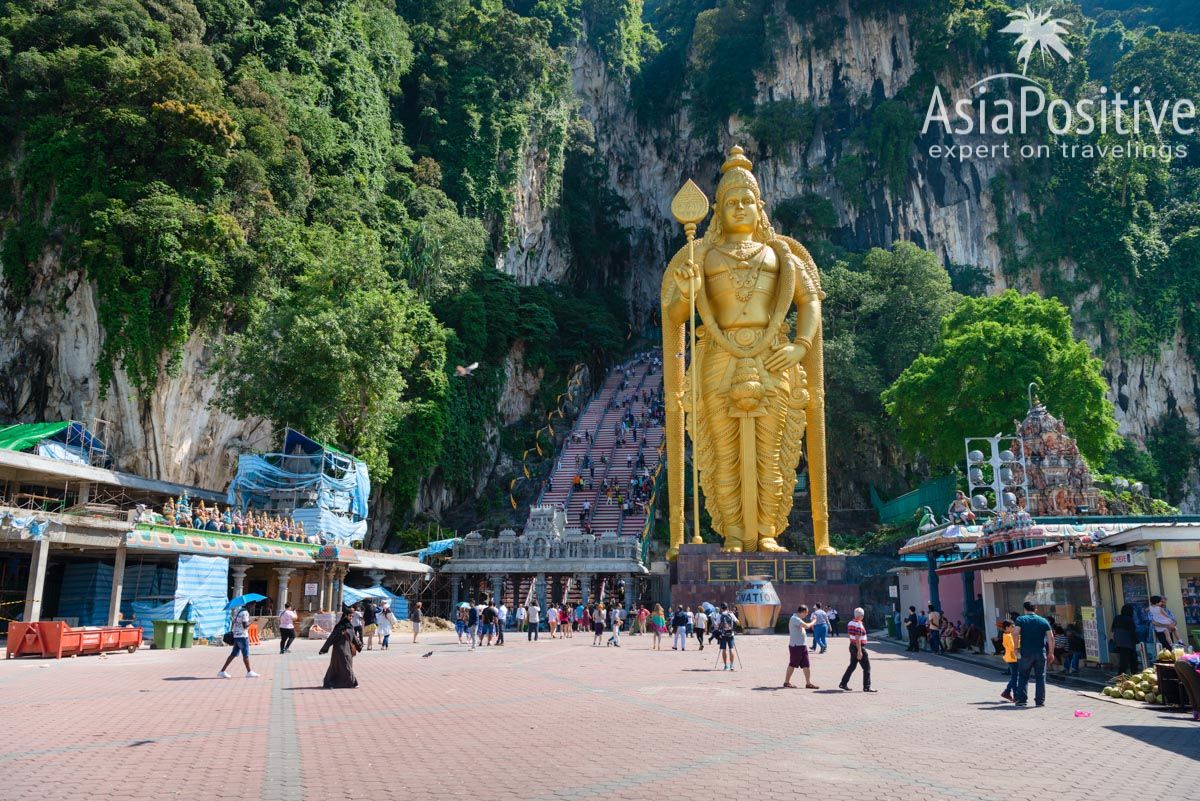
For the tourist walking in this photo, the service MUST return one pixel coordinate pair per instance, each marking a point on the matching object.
(552, 621)
(501, 622)
(833, 621)
(567, 626)
(798, 629)
(487, 622)
(856, 631)
(342, 643)
(679, 629)
(521, 614)
(597, 616)
(387, 619)
(820, 628)
(643, 618)
(473, 624)
(614, 622)
(239, 633)
(533, 617)
(356, 620)
(1035, 641)
(724, 633)
(1010, 659)
(701, 626)
(370, 624)
(415, 616)
(934, 622)
(658, 624)
(287, 628)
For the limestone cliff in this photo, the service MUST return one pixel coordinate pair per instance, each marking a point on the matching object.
(945, 205)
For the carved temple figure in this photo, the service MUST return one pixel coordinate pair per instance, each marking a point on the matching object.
(759, 385)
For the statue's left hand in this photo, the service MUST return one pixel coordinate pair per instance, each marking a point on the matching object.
(785, 357)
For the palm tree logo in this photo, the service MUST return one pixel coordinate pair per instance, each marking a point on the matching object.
(1036, 29)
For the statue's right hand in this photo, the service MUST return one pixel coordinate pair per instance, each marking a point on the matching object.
(687, 280)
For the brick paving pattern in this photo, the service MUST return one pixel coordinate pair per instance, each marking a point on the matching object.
(563, 720)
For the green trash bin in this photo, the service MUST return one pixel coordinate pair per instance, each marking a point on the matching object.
(162, 634)
(893, 629)
(173, 633)
(186, 635)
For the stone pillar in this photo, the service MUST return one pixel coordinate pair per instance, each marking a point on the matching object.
(322, 594)
(239, 579)
(541, 591)
(37, 580)
(284, 575)
(497, 580)
(455, 590)
(935, 598)
(340, 576)
(84, 495)
(376, 576)
(585, 586)
(118, 585)
(627, 602)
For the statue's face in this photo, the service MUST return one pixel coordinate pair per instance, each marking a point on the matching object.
(739, 212)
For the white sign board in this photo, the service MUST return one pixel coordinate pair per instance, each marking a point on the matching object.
(310, 589)
(893, 591)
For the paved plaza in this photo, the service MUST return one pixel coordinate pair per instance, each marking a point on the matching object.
(564, 720)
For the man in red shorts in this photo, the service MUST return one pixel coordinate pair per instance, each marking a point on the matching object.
(798, 630)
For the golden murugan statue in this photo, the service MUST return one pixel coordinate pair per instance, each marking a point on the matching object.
(751, 388)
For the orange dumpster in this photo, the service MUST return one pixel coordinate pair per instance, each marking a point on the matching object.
(57, 639)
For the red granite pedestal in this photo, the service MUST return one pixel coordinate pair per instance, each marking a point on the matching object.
(703, 573)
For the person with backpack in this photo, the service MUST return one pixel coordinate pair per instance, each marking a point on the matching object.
(387, 619)
(473, 624)
(724, 635)
(370, 623)
(679, 629)
(239, 637)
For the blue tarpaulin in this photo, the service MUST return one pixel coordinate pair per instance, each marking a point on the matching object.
(203, 582)
(308, 475)
(437, 546)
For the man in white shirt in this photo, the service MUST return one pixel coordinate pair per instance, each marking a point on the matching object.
(521, 615)
(501, 623)
(700, 624)
(533, 614)
(798, 629)
(239, 627)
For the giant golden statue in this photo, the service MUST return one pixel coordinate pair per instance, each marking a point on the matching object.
(751, 387)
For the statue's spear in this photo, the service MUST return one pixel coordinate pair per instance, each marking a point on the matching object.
(690, 207)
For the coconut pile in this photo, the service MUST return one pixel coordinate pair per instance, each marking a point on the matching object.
(428, 623)
(1140, 686)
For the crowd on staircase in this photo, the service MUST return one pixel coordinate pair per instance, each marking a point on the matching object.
(604, 477)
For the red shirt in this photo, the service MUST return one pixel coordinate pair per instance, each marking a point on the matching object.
(856, 631)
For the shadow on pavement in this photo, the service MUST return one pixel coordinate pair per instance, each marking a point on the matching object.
(1179, 741)
(294, 689)
(193, 678)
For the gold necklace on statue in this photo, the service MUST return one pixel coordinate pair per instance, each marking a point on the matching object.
(744, 278)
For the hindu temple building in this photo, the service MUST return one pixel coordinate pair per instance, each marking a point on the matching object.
(1059, 480)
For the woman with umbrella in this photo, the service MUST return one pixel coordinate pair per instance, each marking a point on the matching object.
(344, 643)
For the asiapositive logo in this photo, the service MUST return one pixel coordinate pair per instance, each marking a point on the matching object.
(1142, 123)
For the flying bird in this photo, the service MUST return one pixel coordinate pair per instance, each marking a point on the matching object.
(461, 371)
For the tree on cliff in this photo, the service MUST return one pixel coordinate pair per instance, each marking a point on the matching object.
(974, 381)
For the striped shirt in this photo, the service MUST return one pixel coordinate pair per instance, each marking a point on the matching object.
(856, 631)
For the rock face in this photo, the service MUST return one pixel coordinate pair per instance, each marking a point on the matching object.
(48, 350)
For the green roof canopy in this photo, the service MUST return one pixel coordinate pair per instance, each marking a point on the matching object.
(23, 436)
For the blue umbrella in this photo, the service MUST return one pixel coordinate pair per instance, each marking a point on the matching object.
(242, 600)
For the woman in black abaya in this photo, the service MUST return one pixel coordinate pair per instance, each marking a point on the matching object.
(343, 643)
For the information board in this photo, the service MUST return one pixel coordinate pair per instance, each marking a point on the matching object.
(761, 567)
(796, 571)
(723, 571)
(1091, 632)
(310, 589)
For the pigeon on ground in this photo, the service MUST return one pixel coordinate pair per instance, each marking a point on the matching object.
(428, 654)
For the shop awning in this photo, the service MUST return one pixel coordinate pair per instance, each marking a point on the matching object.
(374, 560)
(1028, 556)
